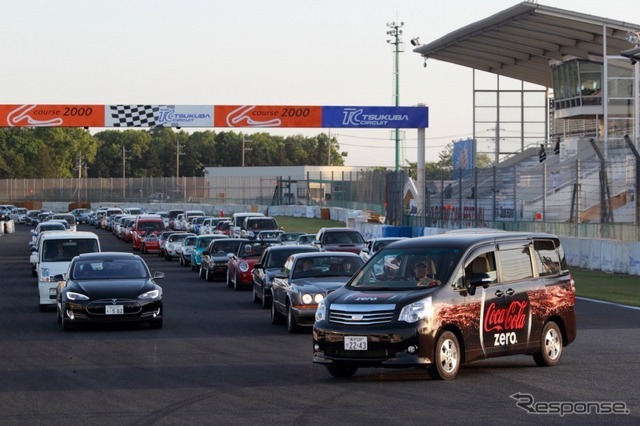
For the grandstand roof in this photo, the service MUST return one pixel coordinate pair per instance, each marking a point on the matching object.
(520, 42)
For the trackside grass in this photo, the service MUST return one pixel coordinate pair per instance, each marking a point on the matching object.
(616, 288)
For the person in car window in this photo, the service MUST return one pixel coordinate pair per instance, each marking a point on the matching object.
(425, 273)
(59, 253)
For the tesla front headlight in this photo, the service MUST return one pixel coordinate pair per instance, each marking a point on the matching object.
(153, 294)
(422, 309)
(321, 311)
(76, 296)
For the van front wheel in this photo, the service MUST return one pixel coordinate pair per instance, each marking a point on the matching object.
(447, 357)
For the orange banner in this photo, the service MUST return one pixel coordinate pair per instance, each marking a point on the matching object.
(51, 115)
(267, 116)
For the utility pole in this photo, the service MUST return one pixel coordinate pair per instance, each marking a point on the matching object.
(177, 158)
(124, 171)
(244, 149)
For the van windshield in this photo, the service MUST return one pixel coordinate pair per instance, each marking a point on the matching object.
(63, 250)
(407, 269)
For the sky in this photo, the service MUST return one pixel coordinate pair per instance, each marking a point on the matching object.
(277, 52)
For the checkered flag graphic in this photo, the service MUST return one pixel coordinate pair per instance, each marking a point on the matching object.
(134, 115)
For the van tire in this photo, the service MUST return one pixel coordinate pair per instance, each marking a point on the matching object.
(447, 357)
(550, 346)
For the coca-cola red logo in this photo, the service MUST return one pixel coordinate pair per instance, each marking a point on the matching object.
(513, 317)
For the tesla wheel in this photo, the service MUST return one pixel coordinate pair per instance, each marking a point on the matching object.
(66, 323)
(292, 324)
(202, 272)
(276, 317)
(341, 371)
(550, 346)
(447, 357)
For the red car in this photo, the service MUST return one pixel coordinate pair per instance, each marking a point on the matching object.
(223, 227)
(150, 243)
(145, 224)
(240, 265)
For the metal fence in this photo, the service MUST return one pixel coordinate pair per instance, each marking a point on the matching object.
(584, 197)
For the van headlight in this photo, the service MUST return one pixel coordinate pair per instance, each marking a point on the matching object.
(422, 309)
(321, 311)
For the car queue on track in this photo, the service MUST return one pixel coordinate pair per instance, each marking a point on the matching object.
(484, 294)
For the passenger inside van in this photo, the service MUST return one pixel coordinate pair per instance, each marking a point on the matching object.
(425, 273)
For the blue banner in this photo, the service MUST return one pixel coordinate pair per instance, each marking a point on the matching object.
(463, 158)
(375, 117)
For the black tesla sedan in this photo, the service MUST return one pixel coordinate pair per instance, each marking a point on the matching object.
(109, 287)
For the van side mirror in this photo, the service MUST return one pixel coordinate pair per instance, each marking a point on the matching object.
(481, 279)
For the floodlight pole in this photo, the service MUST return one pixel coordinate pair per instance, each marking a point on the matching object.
(395, 32)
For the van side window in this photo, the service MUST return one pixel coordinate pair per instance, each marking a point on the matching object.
(516, 263)
(484, 263)
(547, 257)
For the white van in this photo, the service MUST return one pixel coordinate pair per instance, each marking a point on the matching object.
(53, 255)
(237, 220)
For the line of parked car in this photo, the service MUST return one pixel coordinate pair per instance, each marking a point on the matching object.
(435, 302)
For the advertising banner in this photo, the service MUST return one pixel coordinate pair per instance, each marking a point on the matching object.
(51, 115)
(463, 158)
(267, 116)
(375, 117)
(159, 116)
(258, 116)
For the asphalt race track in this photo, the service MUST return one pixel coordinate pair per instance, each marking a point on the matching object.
(219, 360)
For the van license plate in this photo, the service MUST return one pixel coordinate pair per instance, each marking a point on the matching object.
(355, 343)
(114, 309)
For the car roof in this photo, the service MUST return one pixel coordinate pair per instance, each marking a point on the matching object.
(459, 240)
(51, 235)
(289, 247)
(326, 254)
(340, 229)
(108, 255)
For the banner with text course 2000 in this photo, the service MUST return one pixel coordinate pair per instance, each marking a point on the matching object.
(51, 115)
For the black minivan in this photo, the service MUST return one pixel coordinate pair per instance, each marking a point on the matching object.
(449, 299)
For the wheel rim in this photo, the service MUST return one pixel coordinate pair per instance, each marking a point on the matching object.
(552, 344)
(448, 356)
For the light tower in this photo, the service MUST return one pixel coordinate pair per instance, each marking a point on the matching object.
(395, 32)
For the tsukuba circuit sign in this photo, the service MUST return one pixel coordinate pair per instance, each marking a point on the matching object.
(365, 117)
